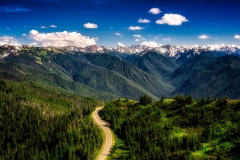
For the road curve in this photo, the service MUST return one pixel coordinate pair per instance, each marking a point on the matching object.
(108, 140)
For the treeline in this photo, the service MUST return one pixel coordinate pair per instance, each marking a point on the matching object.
(37, 123)
(178, 128)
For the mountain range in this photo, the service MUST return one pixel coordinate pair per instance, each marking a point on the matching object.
(106, 73)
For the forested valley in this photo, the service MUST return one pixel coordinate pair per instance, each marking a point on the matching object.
(38, 123)
(177, 128)
(43, 114)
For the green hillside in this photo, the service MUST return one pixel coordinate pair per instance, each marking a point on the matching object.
(127, 81)
(105, 77)
(178, 128)
(99, 76)
(38, 68)
(39, 123)
(220, 77)
(153, 63)
(190, 68)
(43, 117)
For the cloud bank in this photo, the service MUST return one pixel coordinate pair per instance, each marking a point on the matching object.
(138, 36)
(33, 44)
(118, 34)
(167, 39)
(172, 19)
(204, 37)
(90, 25)
(8, 40)
(237, 37)
(140, 20)
(135, 28)
(120, 44)
(150, 44)
(53, 26)
(62, 39)
(155, 11)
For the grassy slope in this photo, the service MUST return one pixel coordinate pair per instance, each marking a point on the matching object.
(213, 124)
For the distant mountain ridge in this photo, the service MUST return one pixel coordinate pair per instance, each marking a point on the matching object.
(106, 73)
(167, 50)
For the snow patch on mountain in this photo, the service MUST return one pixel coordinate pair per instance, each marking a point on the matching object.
(122, 51)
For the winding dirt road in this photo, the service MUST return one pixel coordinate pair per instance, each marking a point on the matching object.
(108, 140)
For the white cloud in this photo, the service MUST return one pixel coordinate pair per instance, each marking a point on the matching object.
(24, 35)
(90, 25)
(140, 20)
(172, 19)
(138, 36)
(118, 34)
(204, 37)
(237, 37)
(62, 39)
(33, 44)
(137, 40)
(167, 39)
(155, 11)
(135, 28)
(120, 44)
(150, 44)
(43, 27)
(53, 26)
(9, 40)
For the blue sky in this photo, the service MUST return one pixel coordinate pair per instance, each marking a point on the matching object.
(107, 22)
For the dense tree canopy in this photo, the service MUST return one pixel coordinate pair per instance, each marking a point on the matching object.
(178, 128)
(37, 123)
